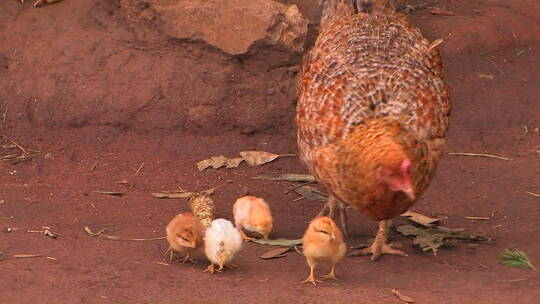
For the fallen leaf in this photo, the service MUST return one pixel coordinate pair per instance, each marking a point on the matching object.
(486, 76)
(421, 219)
(117, 238)
(50, 234)
(520, 52)
(257, 158)
(2, 256)
(179, 194)
(279, 242)
(115, 193)
(402, 297)
(441, 11)
(481, 218)
(286, 177)
(433, 238)
(217, 162)
(275, 253)
(27, 255)
(312, 193)
(516, 258)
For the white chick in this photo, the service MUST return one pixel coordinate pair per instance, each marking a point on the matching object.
(252, 214)
(221, 242)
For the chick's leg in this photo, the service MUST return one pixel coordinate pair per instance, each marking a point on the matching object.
(187, 258)
(210, 268)
(329, 210)
(379, 245)
(331, 275)
(311, 278)
(243, 234)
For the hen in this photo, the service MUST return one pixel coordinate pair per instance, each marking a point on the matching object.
(372, 112)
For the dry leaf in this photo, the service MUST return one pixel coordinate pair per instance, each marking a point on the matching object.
(421, 219)
(116, 193)
(402, 297)
(50, 234)
(279, 242)
(27, 255)
(312, 193)
(257, 158)
(1, 256)
(433, 238)
(441, 11)
(486, 76)
(275, 253)
(117, 238)
(287, 177)
(177, 194)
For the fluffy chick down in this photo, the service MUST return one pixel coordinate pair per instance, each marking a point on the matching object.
(185, 234)
(323, 242)
(221, 243)
(253, 215)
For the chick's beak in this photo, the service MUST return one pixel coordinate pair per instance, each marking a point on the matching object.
(332, 236)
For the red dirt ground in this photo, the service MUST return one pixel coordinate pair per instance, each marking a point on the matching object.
(92, 101)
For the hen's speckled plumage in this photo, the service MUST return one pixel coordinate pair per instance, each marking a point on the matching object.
(371, 91)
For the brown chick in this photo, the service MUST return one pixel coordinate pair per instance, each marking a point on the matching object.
(372, 112)
(252, 214)
(323, 242)
(185, 234)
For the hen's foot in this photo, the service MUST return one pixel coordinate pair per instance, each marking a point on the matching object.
(379, 245)
(330, 208)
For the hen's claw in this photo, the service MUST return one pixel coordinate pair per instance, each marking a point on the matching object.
(379, 245)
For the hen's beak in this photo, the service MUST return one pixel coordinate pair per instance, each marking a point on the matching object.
(409, 191)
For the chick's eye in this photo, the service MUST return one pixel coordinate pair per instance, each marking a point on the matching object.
(323, 231)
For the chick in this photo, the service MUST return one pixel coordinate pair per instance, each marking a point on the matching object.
(185, 234)
(323, 242)
(252, 214)
(221, 242)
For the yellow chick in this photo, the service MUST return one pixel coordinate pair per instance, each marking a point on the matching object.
(252, 214)
(323, 242)
(221, 243)
(185, 234)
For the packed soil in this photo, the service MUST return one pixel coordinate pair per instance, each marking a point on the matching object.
(93, 102)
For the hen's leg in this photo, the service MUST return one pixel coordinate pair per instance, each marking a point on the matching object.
(379, 245)
(329, 210)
